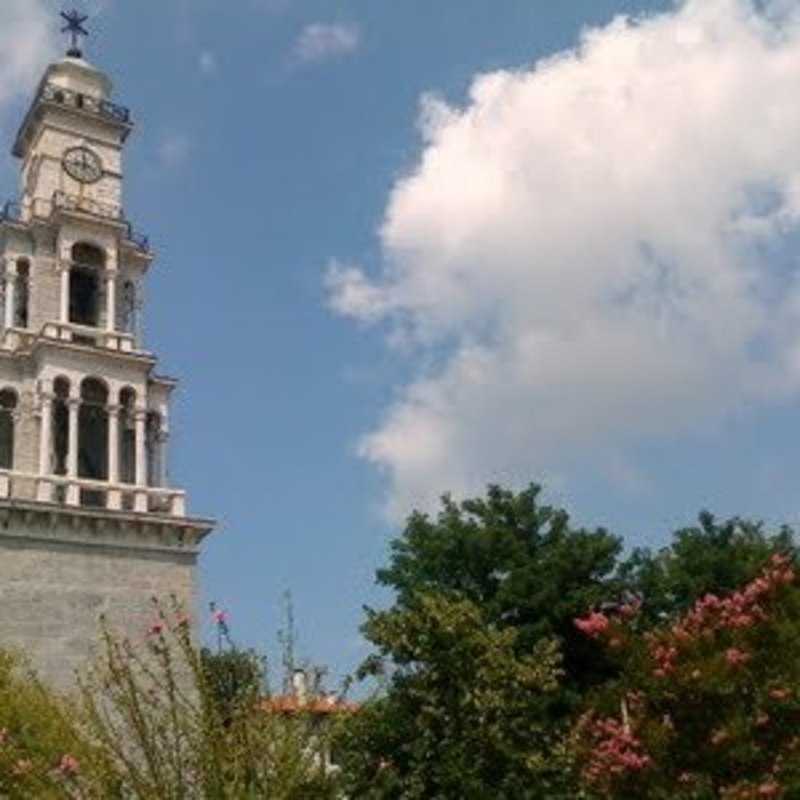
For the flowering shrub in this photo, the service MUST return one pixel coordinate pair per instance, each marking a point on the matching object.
(706, 706)
(150, 723)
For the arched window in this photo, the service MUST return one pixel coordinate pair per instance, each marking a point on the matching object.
(60, 425)
(85, 280)
(93, 430)
(22, 299)
(127, 436)
(153, 445)
(8, 405)
(128, 308)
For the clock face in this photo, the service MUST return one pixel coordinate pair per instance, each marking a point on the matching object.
(83, 165)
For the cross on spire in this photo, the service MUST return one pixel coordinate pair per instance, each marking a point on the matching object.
(75, 29)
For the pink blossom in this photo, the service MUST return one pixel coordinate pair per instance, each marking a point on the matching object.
(719, 737)
(594, 625)
(780, 694)
(68, 766)
(220, 617)
(736, 657)
(156, 629)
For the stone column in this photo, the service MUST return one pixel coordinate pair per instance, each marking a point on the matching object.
(64, 315)
(44, 489)
(114, 494)
(140, 496)
(73, 490)
(113, 444)
(11, 293)
(74, 405)
(46, 434)
(163, 442)
(111, 301)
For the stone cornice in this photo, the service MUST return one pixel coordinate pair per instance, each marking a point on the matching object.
(49, 523)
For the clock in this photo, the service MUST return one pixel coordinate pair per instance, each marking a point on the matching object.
(83, 164)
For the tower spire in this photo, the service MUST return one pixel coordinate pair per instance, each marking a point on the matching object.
(75, 29)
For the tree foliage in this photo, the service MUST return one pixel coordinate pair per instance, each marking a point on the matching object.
(465, 714)
(522, 563)
(711, 557)
(156, 720)
(707, 705)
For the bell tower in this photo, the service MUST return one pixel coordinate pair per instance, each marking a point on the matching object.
(90, 523)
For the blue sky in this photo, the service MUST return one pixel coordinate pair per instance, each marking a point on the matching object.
(304, 224)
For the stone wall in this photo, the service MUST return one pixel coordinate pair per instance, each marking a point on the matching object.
(59, 572)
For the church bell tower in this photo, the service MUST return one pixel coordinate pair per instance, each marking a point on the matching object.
(90, 523)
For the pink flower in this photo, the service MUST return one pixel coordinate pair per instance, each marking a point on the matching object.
(156, 629)
(68, 766)
(220, 617)
(594, 625)
(736, 657)
(719, 737)
(780, 694)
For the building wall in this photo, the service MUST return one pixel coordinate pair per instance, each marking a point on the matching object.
(59, 575)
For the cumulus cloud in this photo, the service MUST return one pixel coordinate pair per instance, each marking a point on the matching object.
(207, 63)
(173, 150)
(593, 249)
(323, 41)
(27, 43)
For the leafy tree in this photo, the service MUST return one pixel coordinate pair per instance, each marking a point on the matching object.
(40, 746)
(707, 705)
(171, 727)
(522, 563)
(711, 557)
(464, 715)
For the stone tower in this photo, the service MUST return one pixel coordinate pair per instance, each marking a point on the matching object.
(89, 523)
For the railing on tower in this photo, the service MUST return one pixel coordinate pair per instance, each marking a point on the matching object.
(50, 93)
(95, 208)
(11, 211)
(86, 205)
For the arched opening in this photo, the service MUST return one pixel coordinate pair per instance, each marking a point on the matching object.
(22, 300)
(153, 446)
(60, 425)
(127, 436)
(8, 405)
(88, 263)
(128, 308)
(93, 431)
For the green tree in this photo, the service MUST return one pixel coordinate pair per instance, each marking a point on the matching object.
(707, 705)
(465, 714)
(522, 563)
(710, 557)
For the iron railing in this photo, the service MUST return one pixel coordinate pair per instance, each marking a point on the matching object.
(11, 212)
(139, 240)
(86, 205)
(95, 208)
(51, 93)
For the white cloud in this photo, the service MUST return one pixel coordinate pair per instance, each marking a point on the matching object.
(321, 42)
(27, 43)
(592, 250)
(174, 149)
(207, 63)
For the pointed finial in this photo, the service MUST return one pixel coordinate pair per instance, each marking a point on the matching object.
(75, 29)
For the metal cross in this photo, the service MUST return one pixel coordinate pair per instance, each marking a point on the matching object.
(74, 27)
